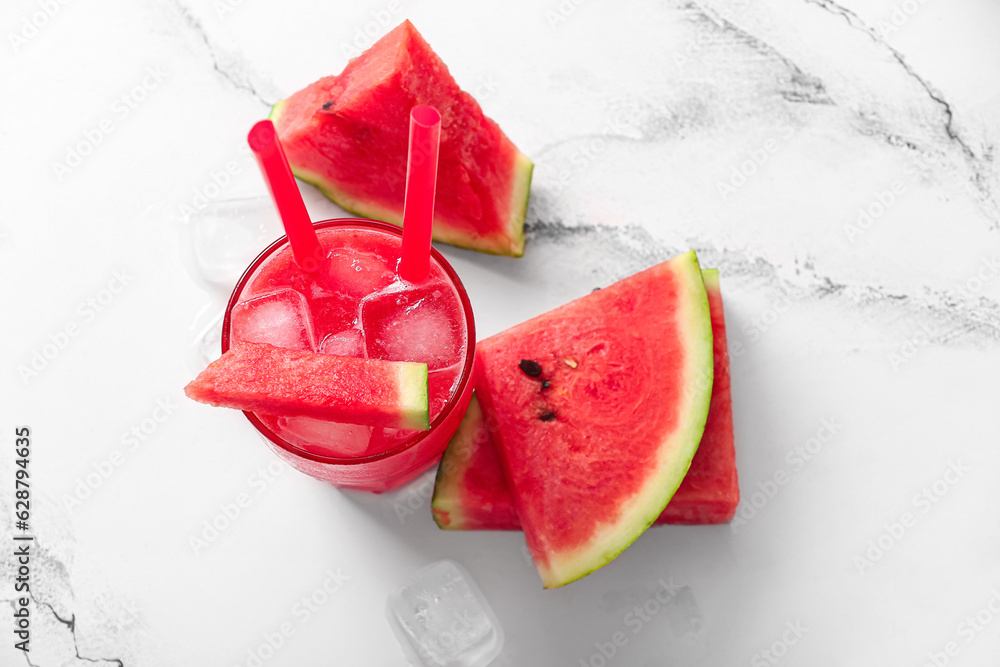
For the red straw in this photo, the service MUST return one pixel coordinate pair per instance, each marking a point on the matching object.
(421, 182)
(285, 193)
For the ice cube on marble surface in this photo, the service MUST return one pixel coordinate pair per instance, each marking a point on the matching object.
(224, 236)
(442, 619)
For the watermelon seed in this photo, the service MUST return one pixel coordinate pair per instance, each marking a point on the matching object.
(547, 416)
(570, 363)
(545, 384)
(530, 368)
(327, 105)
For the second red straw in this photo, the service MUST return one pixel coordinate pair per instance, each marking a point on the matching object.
(421, 184)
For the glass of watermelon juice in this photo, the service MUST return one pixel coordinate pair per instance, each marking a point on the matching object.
(355, 304)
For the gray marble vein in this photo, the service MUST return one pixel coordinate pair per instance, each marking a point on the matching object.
(976, 161)
(230, 65)
(955, 317)
(804, 87)
(56, 638)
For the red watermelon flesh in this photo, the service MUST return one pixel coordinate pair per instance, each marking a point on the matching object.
(348, 134)
(600, 405)
(710, 491)
(471, 491)
(261, 378)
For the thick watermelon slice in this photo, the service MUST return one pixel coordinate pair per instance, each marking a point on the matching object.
(471, 492)
(347, 135)
(271, 380)
(600, 406)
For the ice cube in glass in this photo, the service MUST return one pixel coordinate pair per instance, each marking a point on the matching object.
(349, 343)
(355, 273)
(344, 440)
(421, 324)
(280, 318)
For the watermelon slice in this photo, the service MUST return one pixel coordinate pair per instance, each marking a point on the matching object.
(471, 492)
(261, 378)
(600, 406)
(347, 135)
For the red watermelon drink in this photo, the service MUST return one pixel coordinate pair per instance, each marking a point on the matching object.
(355, 304)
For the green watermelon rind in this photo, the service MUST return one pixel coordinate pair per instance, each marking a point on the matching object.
(649, 503)
(524, 168)
(511, 245)
(446, 505)
(711, 279)
(414, 399)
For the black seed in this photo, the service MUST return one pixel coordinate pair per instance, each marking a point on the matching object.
(545, 384)
(547, 416)
(530, 368)
(327, 105)
(595, 289)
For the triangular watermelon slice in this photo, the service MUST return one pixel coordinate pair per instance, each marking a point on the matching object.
(471, 491)
(347, 135)
(600, 406)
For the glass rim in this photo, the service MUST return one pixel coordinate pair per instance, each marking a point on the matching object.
(466, 377)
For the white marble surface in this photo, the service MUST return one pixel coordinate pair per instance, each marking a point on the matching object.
(636, 114)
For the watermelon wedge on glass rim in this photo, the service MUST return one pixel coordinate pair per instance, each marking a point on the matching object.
(600, 406)
(347, 135)
(258, 377)
(472, 493)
